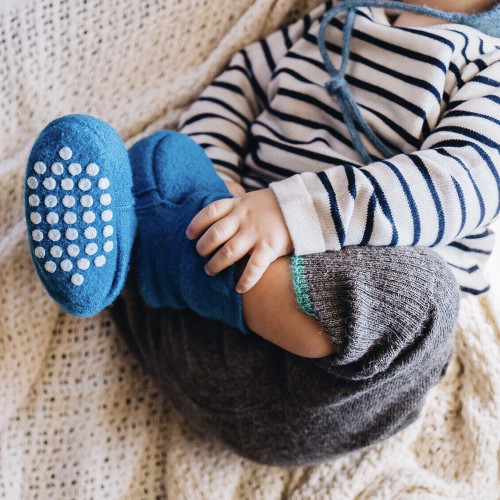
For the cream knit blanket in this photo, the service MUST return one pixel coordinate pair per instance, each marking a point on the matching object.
(78, 417)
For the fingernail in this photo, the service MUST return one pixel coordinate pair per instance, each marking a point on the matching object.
(207, 271)
(188, 233)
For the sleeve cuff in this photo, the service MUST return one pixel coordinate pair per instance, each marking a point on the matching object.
(297, 206)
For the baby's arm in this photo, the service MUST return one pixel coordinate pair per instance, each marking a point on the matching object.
(220, 119)
(427, 198)
(431, 197)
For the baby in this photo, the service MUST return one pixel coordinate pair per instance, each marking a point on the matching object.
(430, 176)
(366, 126)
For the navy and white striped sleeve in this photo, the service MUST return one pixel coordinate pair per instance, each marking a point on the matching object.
(441, 193)
(220, 119)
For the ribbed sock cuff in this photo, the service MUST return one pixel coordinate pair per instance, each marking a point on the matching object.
(300, 285)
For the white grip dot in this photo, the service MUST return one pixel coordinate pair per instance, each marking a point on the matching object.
(108, 246)
(65, 153)
(67, 184)
(71, 234)
(49, 183)
(75, 168)
(90, 233)
(83, 264)
(105, 199)
(91, 249)
(100, 261)
(39, 167)
(68, 201)
(84, 184)
(88, 217)
(86, 201)
(66, 265)
(50, 266)
(77, 279)
(34, 200)
(73, 250)
(57, 168)
(92, 169)
(103, 183)
(37, 235)
(107, 215)
(35, 217)
(70, 217)
(54, 235)
(50, 201)
(32, 183)
(107, 231)
(52, 218)
(56, 251)
(40, 252)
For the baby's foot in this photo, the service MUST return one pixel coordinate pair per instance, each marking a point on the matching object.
(80, 212)
(173, 180)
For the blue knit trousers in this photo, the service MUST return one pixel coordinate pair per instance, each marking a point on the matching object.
(390, 313)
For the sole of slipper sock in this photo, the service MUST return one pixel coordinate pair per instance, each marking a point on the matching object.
(80, 212)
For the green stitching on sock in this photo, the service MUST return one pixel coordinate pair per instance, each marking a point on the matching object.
(300, 285)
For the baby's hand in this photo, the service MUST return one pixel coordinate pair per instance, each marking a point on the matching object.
(234, 188)
(249, 224)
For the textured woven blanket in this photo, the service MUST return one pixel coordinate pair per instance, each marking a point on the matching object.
(79, 418)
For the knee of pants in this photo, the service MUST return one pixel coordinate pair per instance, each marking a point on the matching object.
(300, 411)
(400, 308)
(349, 405)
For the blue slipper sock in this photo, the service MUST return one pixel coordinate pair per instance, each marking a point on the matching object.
(174, 180)
(80, 212)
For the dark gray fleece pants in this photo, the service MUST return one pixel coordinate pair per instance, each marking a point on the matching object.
(390, 314)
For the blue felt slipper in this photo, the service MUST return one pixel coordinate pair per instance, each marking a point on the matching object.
(80, 212)
(173, 180)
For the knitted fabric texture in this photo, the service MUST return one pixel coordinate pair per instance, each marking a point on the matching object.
(487, 22)
(80, 419)
(173, 181)
(300, 285)
(392, 340)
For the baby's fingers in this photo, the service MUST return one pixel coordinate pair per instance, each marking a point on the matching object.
(216, 235)
(233, 251)
(207, 216)
(257, 264)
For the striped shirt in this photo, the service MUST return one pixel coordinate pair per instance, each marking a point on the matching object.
(431, 94)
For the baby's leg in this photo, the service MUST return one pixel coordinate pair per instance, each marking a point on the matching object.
(270, 309)
(389, 313)
(173, 181)
(82, 221)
